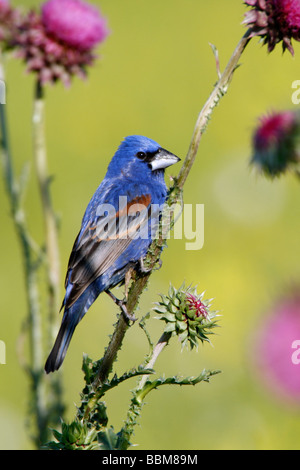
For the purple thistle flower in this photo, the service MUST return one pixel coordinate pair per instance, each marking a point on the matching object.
(277, 349)
(59, 43)
(276, 142)
(197, 305)
(4, 4)
(274, 21)
(74, 22)
(9, 20)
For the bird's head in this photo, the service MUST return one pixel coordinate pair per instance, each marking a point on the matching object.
(138, 155)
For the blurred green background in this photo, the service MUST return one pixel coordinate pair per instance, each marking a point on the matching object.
(155, 73)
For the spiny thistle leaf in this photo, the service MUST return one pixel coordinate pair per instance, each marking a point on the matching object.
(107, 439)
(150, 385)
(91, 405)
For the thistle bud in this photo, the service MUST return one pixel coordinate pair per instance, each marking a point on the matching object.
(276, 143)
(187, 315)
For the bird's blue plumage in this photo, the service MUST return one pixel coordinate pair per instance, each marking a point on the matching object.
(115, 233)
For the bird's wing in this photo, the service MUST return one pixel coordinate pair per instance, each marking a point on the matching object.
(103, 241)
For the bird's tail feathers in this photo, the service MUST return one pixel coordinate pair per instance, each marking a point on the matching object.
(59, 350)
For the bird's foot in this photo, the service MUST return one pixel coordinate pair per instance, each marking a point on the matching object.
(145, 270)
(122, 304)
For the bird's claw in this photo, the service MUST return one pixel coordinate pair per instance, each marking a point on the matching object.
(122, 304)
(145, 270)
(128, 316)
(159, 263)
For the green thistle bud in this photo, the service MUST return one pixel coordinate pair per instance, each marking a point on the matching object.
(187, 315)
(74, 436)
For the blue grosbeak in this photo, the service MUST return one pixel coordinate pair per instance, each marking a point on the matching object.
(115, 232)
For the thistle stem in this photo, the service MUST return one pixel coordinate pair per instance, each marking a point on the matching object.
(218, 92)
(111, 351)
(122, 326)
(157, 350)
(50, 222)
(33, 320)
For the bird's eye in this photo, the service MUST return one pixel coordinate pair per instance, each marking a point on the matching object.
(141, 155)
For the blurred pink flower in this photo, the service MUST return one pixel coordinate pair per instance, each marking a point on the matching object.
(9, 20)
(276, 142)
(75, 22)
(60, 42)
(277, 349)
(273, 128)
(4, 3)
(274, 21)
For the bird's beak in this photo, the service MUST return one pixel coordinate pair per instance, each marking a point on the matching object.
(162, 159)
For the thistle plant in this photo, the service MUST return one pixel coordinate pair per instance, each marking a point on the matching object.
(275, 140)
(187, 316)
(55, 47)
